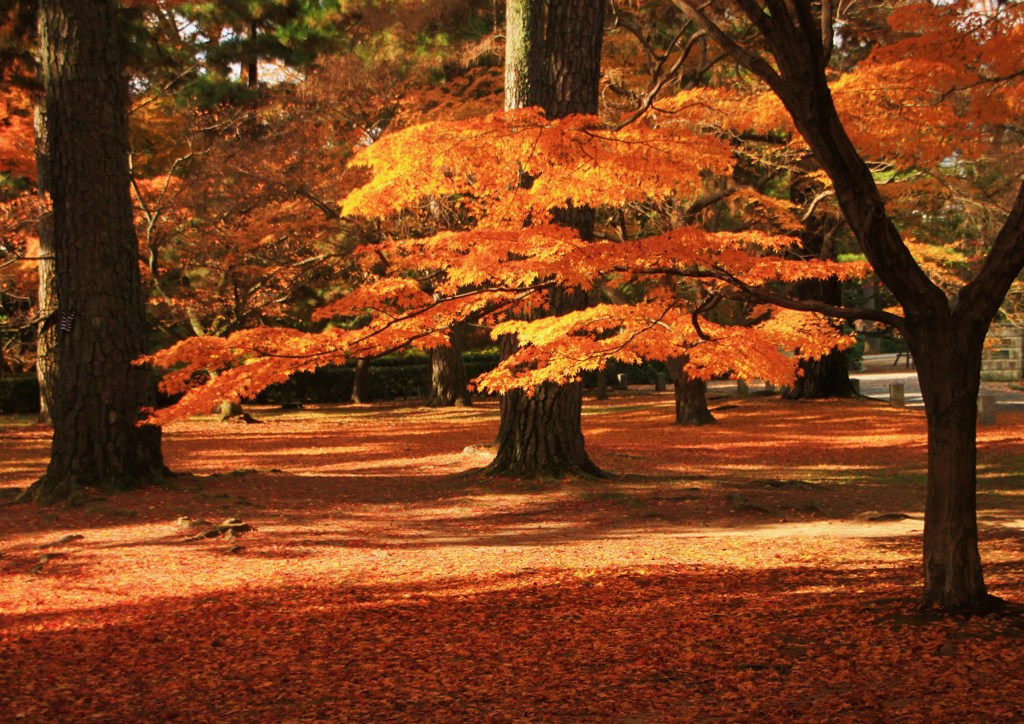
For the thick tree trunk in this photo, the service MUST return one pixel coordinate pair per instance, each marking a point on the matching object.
(361, 382)
(824, 378)
(692, 402)
(539, 434)
(829, 376)
(234, 412)
(524, 58)
(100, 317)
(449, 383)
(552, 59)
(691, 395)
(949, 370)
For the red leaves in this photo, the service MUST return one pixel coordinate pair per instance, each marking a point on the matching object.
(376, 587)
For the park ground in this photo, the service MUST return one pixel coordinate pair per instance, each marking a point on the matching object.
(766, 568)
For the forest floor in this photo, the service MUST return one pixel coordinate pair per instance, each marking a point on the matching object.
(766, 568)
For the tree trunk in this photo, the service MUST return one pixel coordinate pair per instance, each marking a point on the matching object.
(46, 331)
(100, 315)
(825, 378)
(449, 383)
(691, 395)
(361, 382)
(602, 384)
(552, 59)
(949, 370)
(234, 412)
(539, 434)
(692, 402)
(828, 377)
(524, 61)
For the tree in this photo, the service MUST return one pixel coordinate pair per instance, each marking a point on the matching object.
(19, 211)
(97, 439)
(449, 383)
(690, 395)
(789, 51)
(552, 60)
(501, 270)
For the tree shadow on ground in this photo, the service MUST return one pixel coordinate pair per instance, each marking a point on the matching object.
(656, 643)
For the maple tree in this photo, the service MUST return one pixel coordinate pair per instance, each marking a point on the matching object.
(236, 199)
(524, 262)
(17, 215)
(471, 210)
(20, 250)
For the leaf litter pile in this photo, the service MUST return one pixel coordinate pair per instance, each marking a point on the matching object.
(346, 564)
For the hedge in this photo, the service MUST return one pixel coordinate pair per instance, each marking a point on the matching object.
(390, 378)
(19, 394)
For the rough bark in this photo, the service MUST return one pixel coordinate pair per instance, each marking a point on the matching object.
(449, 383)
(690, 395)
(552, 59)
(100, 315)
(524, 31)
(539, 434)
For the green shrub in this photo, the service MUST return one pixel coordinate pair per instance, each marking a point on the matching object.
(19, 394)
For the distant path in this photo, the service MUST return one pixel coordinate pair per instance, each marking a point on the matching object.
(880, 370)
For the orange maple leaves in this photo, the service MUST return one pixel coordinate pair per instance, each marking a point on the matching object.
(508, 172)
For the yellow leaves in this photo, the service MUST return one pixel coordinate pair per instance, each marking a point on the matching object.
(560, 348)
(735, 110)
(17, 140)
(509, 167)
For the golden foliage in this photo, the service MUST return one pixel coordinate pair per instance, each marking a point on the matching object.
(485, 164)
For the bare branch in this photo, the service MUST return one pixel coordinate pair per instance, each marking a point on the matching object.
(748, 60)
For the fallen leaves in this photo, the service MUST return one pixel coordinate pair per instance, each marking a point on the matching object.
(377, 586)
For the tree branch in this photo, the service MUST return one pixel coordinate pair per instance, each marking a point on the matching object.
(779, 300)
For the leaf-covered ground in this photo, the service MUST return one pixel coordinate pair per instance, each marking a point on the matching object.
(764, 568)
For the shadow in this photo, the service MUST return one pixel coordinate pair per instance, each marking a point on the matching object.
(658, 643)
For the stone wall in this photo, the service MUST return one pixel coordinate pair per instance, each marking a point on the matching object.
(1003, 359)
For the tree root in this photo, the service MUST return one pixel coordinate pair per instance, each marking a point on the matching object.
(227, 530)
